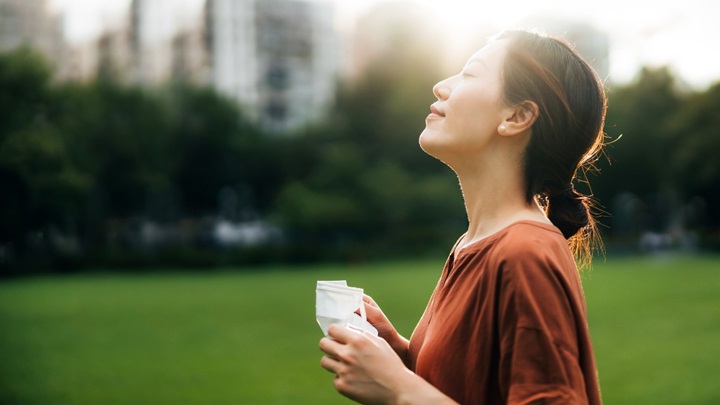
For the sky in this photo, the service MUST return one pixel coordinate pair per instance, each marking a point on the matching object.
(682, 34)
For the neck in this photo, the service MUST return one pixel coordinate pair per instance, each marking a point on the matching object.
(494, 195)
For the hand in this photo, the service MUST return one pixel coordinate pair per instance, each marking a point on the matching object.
(366, 368)
(385, 329)
(368, 371)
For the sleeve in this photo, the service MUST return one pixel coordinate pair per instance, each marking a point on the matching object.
(539, 362)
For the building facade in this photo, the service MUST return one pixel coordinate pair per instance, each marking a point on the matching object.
(278, 59)
(29, 23)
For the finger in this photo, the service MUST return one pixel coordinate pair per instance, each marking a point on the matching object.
(330, 364)
(340, 334)
(356, 337)
(375, 340)
(355, 329)
(368, 300)
(372, 311)
(330, 347)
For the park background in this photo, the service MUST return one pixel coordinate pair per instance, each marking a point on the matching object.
(160, 244)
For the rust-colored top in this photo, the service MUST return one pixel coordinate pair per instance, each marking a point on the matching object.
(507, 323)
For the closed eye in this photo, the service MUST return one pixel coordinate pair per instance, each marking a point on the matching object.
(472, 66)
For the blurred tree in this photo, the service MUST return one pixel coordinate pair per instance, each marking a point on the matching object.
(206, 146)
(639, 145)
(25, 90)
(120, 136)
(695, 131)
(327, 201)
(215, 147)
(640, 112)
(25, 99)
(57, 188)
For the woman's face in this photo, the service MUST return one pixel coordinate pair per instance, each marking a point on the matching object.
(469, 107)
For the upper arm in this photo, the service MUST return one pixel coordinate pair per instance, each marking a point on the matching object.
(537, 318)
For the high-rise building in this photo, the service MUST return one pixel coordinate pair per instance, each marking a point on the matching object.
(29, 23)
(277, 58)
(189, 57)
(151, 33)
(114, 59)
(150, 47)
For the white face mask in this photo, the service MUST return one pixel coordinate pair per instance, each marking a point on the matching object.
(336, 303)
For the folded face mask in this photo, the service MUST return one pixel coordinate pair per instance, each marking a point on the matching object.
(336, 303)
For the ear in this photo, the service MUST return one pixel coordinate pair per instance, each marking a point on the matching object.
(519, 119)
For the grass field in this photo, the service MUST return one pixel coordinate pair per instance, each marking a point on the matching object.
(229, 337)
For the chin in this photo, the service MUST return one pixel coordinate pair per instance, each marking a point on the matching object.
(425, 141)
(430, 144)
(436, 146)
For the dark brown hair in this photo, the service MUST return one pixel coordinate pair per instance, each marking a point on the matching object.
(567, 135)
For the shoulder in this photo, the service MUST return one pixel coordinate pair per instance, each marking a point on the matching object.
(533, 249)
(529, 239)
(539, 284)
(524, 249)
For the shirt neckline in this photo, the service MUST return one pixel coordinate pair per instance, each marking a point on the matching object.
(475, 245)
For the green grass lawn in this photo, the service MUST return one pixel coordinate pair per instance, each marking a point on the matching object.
(229, 337)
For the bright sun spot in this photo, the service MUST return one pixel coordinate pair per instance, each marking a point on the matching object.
(682, 35)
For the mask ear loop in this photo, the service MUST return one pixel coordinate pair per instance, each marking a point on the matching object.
(363, 315)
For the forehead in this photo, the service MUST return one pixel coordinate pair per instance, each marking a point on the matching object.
(491, 54)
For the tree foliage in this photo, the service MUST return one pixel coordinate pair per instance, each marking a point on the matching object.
(660, 143)
(639, 114)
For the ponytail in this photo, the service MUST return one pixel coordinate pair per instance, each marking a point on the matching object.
(568, 210)
(571, 212)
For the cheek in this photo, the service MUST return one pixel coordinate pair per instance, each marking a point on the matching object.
(477, 117)
(467, 123)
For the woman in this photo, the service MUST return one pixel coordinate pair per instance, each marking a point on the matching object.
(507, 321)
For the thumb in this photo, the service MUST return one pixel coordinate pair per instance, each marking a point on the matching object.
(368, 300)
(374, 313)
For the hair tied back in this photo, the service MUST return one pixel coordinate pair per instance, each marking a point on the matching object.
(568, 190)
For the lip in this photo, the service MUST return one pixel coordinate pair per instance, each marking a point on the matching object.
(435, 113)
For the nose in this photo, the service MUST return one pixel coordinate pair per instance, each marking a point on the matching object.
(441, 90)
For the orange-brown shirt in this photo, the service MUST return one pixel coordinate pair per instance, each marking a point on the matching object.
(507, 323)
